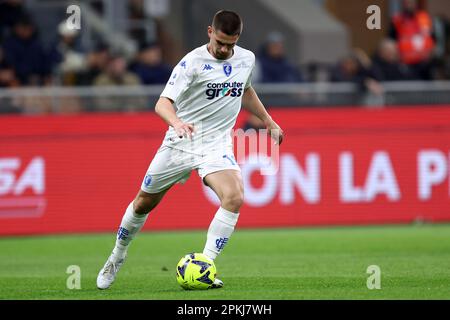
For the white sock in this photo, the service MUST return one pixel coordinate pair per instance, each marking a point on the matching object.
(219, 232)
(129, 227)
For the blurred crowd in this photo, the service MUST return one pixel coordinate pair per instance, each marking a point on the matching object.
(26, 61)
(417, 48)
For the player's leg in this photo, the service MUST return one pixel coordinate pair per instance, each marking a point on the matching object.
(133, 220)
(228, 186)
(161, 176)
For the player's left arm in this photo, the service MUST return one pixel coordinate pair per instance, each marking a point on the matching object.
(252, 103)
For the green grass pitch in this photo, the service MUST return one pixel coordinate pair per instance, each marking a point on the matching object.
(301, 263)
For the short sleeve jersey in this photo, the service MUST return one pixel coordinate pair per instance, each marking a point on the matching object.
(207, 92)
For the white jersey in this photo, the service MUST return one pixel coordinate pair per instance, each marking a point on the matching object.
(207, 92)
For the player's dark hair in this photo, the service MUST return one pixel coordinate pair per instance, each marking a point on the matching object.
(229, 22)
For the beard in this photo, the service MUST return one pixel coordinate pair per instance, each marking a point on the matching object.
(221, 56)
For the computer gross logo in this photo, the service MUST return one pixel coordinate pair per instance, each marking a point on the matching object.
(225, 89)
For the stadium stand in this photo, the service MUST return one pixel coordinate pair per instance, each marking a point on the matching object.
(151, 38)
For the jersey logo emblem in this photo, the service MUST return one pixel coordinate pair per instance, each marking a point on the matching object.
(227, 68)
(207, 67)
(147, 180)
(221, 242)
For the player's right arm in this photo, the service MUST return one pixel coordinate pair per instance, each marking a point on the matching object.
(180, 80)
(165, 109)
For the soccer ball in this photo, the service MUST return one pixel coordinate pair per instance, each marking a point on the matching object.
(195, 271)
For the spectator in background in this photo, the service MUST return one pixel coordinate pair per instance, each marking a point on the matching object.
(24, 51)
(8, 77)
(150, 66)
(95, 63)
(10, 12)
(273, 64)
(442, 51)
(136, 13)
(7, 80)
(356, 68)
(386, 64)
(116, 74)
(349, 69)
(66, 57)
(412, 29)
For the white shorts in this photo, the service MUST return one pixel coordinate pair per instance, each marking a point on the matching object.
(170, 166)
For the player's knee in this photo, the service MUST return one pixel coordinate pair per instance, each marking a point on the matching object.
(233, 201)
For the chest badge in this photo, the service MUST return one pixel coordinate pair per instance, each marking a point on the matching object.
(227, 69)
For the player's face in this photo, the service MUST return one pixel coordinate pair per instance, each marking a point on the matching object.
(220, 44)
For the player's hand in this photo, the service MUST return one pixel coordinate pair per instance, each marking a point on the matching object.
(182, 129)
(275, 132)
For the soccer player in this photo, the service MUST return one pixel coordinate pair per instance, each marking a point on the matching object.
(200, 103)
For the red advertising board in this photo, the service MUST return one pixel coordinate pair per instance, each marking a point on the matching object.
(342, 166)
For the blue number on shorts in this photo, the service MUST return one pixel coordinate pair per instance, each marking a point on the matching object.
(229, 158)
